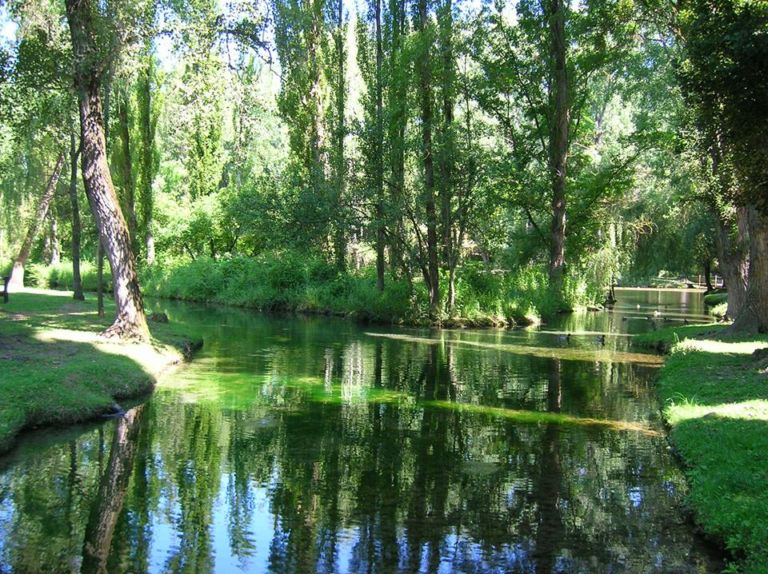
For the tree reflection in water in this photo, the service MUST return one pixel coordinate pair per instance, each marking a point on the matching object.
(277, 452)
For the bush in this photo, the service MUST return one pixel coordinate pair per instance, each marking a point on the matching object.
(290, 281)
(60, 276)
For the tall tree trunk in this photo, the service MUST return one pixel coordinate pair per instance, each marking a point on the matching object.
(77, 282)
(147, 128)
(707, 267)
(753, 315)
(17, 275)
(447, 148)
(126, 166)
(316, 164)
(424, 74)
(340, 164)
(397, 112)
(99, 278)
(379, 152)
(130, 321)
(52, 247)
(732, 252)
(558, 142)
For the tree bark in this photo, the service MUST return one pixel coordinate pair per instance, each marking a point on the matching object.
(379, 151)
(147, 126)
(447, 152)
(340, 167)
(397, 106)
(707, 266)
(77, 282)
(126, 164)
(424, 73)
(558, 142)
(130, 322)
(99, 278)
(17, 274)
(753, 315)
(733, 249)
(53, 247)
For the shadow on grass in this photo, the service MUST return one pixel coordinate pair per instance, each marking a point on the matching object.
(727, 462)
(56, 371)
(715, 396)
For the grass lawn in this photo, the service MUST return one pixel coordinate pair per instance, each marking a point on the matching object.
(715, 398)
(55, 369)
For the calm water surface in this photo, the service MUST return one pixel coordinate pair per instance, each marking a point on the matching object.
(316, 445)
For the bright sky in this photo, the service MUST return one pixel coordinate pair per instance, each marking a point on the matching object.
(7, 27)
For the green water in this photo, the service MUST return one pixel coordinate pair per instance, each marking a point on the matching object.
(317, 445)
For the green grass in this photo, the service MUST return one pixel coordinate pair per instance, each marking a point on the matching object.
(56, 370)
(664, 339)
(715, 397)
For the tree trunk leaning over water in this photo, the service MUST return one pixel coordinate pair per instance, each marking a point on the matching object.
(90, 64)
(17, 275)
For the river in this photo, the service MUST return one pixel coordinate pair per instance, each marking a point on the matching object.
(303, 445)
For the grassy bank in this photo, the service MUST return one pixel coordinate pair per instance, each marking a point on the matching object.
(56, 370)
(289, 282)
(715, 398)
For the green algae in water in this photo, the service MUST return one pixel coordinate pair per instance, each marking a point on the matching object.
(299, 445)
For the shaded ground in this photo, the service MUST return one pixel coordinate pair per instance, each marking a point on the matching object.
(55, 368)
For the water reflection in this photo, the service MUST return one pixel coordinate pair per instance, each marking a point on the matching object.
(311, 446)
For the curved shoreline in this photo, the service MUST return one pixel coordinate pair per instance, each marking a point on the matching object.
(58, 371)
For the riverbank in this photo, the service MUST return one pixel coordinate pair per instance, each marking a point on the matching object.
(714, 393)
(56, 370)
(294, 283)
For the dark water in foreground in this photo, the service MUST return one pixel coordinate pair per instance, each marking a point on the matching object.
(315, 445)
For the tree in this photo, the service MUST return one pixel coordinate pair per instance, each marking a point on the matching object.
(17, 275)
(554, 14)
(370, 55)
(428, 246)
(148, 157)
(89, 30)
(725, 78)
(74, 153)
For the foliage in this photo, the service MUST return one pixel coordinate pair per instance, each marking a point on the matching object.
(288, 281)
(59, 276)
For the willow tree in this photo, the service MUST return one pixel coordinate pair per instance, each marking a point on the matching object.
(92, 32)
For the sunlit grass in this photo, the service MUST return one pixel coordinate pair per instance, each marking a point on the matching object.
(56, 369)
(715, 397)
(677, 412)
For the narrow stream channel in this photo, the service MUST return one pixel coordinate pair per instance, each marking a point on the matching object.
(317, 445)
